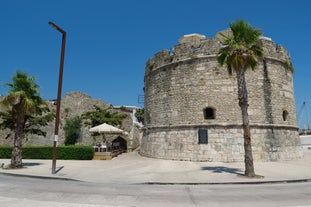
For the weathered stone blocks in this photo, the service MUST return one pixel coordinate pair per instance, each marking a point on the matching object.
(181, 84)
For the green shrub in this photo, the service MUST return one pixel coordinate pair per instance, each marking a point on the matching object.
(37, 152)
(46, 152)
(5, 152)
(75, 152)
(72, 130)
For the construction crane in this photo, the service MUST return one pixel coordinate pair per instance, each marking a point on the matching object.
(305, 128)
(300, 113)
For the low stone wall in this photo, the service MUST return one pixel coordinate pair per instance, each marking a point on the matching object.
(305, 140)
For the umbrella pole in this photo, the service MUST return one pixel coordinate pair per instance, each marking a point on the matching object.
(104, 139)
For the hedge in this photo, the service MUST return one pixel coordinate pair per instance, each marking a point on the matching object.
(5, 152)
(46, 152)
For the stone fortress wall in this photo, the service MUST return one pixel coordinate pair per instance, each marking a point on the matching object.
(75, 104)
(188, 93)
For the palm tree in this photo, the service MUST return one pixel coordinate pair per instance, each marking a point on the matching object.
(24, 104)
(241, 50)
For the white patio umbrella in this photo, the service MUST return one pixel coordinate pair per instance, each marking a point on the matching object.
(107, 129)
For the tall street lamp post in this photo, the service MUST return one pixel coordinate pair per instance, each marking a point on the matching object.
(59, 93)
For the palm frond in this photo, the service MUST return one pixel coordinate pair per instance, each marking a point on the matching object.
(242, 50)
(24, 99)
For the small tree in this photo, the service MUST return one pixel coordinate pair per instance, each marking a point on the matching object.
(72, 130)
(140, 115)
(25, 112)
(100, 116)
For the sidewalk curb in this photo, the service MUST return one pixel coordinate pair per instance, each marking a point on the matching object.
(171, 183)
(39, 177)
(232, 183)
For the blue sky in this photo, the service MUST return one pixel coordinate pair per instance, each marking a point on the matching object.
(109, 42)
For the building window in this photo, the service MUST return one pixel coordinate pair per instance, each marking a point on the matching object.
(202, 136)
(285, 115)
(209, 113)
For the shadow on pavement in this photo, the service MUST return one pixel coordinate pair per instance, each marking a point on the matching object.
(59, 169)
(29, 164)
(221, 169)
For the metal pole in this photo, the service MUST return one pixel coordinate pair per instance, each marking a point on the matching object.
(59, 94)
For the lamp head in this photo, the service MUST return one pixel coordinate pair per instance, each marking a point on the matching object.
(57, 27)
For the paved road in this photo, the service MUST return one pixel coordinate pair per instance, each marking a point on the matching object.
(31, 192)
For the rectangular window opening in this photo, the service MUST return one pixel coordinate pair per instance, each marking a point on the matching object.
(203, 136)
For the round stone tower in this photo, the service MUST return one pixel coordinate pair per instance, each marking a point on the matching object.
(192, 111)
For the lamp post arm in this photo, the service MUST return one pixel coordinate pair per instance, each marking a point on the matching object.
(57, 27)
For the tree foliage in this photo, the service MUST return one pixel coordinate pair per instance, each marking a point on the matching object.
(72, 130)
(25, 111)
(242, 49)
(140, 115)
(99, 116)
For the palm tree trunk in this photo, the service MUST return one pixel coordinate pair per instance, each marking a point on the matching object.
(243, 102)
(16, 160)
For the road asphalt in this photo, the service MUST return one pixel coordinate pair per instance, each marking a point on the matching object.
(131, 168)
